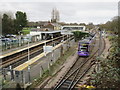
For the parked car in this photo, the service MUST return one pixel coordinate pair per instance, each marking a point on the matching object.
(6, 41)
(10, 36)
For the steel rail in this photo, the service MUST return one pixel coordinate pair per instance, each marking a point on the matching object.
(84, 73)
(21, 56)
(63, 80)
(76, 73)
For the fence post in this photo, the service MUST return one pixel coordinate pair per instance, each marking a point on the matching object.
(24, 80)
(10, 45)
(12, 74)
(51, 62)
(29, 74)
(5, 46)
(22, 76)
(42, 70)
(4, 74)
(48, 66)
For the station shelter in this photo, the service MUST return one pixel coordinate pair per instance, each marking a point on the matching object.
(44, 35)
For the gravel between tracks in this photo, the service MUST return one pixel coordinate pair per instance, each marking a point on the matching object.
(105, 53)
(68, 63)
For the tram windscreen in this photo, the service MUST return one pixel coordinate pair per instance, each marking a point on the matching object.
(84, 45)
(83, 49)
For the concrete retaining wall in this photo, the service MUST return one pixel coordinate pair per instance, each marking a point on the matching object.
(44, 63)
(36, 70)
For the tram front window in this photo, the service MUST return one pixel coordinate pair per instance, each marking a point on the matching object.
(83, 49)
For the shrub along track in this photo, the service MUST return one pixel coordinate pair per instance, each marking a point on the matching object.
(80, 68)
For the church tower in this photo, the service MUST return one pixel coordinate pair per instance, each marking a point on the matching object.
(55, 15)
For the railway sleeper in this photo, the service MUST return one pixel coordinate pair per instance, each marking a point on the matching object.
(68, 81)
(5, 63)
(64, 86)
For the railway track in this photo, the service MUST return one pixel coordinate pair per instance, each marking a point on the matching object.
(21, 57)
(78, 70)
(78, 82)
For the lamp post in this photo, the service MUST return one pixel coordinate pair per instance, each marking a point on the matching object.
(19, 36)
(28, 46)
(28, 59)
(52, 40)
(52, 50)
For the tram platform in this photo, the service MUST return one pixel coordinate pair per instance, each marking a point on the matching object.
(35, 59)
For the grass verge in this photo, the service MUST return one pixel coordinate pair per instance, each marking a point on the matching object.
(55, 67)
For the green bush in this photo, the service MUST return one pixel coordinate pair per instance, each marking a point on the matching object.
(109, 73)
(78, 35)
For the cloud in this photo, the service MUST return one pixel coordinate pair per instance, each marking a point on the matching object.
(97, 12)
(59, 0)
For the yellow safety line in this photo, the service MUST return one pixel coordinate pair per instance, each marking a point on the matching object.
(31, 61)
(2, 56)
(27, 63)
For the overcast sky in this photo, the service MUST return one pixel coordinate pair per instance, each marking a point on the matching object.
(80, 11)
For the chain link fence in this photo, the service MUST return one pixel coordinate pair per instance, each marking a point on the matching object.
(20, 41)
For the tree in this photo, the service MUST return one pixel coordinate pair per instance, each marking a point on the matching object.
(83, 24)
(7, 25)
(119, 31)
(4, 23)
(109, 70)
(112, 26)
(11, 25)
(20, 21)
(78, 35)
(90, 25)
